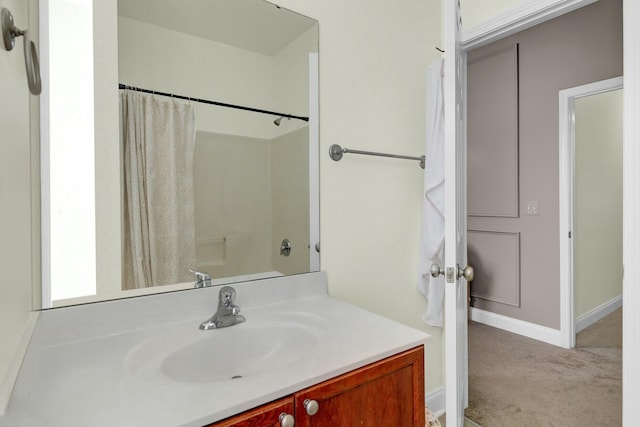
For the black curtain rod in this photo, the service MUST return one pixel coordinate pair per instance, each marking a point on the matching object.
(205, 101)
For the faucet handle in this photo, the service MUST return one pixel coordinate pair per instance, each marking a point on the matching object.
(203, 279)
(226, 296)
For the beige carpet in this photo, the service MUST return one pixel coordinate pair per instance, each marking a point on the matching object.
(519, 382)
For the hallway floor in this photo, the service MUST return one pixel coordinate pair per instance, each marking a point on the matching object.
(517, 381)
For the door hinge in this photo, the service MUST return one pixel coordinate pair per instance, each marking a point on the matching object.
(569, 234)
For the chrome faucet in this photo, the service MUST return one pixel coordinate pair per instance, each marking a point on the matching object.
(227, 313)
(203, 279)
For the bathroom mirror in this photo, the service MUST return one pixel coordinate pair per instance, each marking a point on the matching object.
(247, 181)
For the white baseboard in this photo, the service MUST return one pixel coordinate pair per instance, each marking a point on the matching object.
(9, 380)
(434, 400)
(516, 326)
(591, 317)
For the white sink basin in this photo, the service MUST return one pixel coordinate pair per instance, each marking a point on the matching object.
(241, 353)
(188, 355)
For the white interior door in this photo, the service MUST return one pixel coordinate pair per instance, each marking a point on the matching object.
(455, 220)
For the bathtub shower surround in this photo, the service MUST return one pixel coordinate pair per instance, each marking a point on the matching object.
(259, 198)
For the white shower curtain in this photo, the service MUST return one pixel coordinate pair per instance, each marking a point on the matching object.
(157, 142)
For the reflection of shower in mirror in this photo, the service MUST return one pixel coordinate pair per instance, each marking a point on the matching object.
(251, 178)
(279, 119)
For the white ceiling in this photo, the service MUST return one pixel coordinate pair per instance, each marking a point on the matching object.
(254, 25)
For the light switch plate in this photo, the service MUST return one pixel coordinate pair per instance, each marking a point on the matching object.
(533, 207)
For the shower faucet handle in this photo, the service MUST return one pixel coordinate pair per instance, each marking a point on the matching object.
(203, 279)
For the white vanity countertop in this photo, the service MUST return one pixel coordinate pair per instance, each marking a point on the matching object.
(76, 373)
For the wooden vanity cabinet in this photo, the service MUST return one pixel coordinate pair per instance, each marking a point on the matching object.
(267, 415)
(385, 393)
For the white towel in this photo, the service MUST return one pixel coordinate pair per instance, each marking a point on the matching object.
(432, 241)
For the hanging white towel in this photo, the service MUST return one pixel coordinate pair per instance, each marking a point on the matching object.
(432, 237)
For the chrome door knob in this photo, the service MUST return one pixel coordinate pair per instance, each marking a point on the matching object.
(287, 420)
(436, 270)
(311, 406)
(466, 272)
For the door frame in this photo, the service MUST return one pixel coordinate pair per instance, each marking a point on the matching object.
(537, 11)
(631, 212)
(566, 136)
(527, 15)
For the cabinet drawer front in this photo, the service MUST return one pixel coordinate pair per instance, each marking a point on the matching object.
(264, 416)
(385, 393)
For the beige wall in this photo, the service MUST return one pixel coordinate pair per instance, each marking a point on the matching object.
(278, 83)
(598, 200)
(291, 80)
(373, 61)
(15, 196)
(578, 48)
(241, 77)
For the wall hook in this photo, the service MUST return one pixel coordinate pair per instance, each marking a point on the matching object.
(31, 63)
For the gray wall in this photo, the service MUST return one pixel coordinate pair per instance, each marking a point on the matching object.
(578, 48)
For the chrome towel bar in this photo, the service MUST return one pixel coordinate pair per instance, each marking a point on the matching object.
(336, 152)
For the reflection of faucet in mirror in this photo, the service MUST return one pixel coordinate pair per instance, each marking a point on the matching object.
(227, 313)
(203, 279)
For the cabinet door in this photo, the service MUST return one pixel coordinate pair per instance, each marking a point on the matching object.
(264, 416)
(385, 393)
